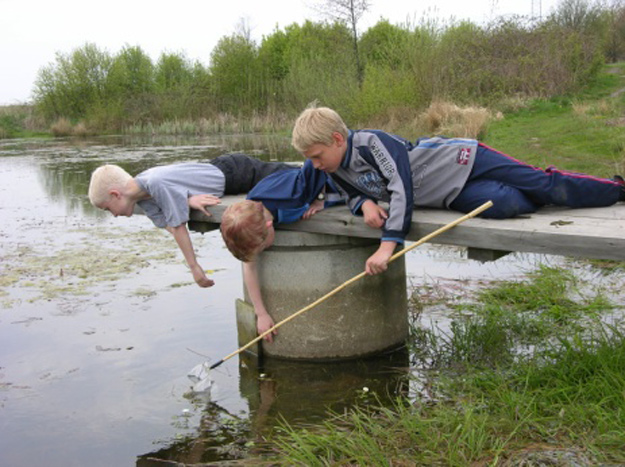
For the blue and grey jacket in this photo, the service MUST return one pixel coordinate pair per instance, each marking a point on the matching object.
(287, 194)
(384, 167)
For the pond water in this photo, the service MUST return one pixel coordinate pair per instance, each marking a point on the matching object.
(100, 320)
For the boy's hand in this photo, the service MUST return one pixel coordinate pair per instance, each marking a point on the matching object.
(315, 207)
(375, 216)
(200, 277)
(263, 323)
(200, 202)
(378, 261)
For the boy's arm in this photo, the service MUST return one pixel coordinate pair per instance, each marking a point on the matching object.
(375, 216)
(314, 187)
(263, 320)
(314, 208)
(389, 155)
(181, 235)
(378, 261)
(200, 202)
(355, 198)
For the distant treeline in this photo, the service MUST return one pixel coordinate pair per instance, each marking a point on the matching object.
(403, 69)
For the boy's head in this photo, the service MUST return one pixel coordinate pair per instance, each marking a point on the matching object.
(247, 229)
(320, 135)
(107, 190)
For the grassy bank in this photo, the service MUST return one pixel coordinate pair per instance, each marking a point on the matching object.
(581, 133)
(584, 133)
(532, 373)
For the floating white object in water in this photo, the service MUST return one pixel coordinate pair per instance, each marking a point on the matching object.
(199, 372)
(203, 386)
(200, 376)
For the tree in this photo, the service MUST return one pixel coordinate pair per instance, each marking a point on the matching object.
(130, 87)
(273, 66)
(384, 45)
(347, 12)
(131, 74)
(578, 15)
(615, 34)
(73, 85)
(320, 66)
(173, 72)
(232, 68)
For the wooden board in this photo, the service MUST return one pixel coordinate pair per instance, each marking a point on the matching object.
(588, 233)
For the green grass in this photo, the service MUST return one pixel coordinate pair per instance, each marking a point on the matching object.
(581, 133)
(528, 374)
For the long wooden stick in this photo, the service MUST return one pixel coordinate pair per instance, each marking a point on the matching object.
(428, 237)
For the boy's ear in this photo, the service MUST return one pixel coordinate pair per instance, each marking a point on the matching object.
(269, 223)
(115, 193)
(338, 138)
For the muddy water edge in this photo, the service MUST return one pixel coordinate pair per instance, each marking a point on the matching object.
(100, 320)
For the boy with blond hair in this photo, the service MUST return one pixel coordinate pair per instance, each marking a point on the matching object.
(438, 172)
(166, 193)
(247, 227)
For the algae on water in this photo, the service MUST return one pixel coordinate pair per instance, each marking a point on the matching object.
(77, 266)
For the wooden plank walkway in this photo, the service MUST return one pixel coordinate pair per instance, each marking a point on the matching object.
(595, 233)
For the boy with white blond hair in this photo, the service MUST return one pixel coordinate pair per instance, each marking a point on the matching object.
(166, 193)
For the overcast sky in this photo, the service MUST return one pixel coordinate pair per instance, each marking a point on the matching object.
(33, 31)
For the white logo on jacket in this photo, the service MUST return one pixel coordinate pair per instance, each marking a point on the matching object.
(371, 182)
(384, 160)
(464, 155)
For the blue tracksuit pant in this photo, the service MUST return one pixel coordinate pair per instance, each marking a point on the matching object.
(517, 188)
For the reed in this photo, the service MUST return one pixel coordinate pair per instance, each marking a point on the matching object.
(220, 123)
(61, 127)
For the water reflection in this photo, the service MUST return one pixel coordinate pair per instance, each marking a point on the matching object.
(292, 392)
(67, 165)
